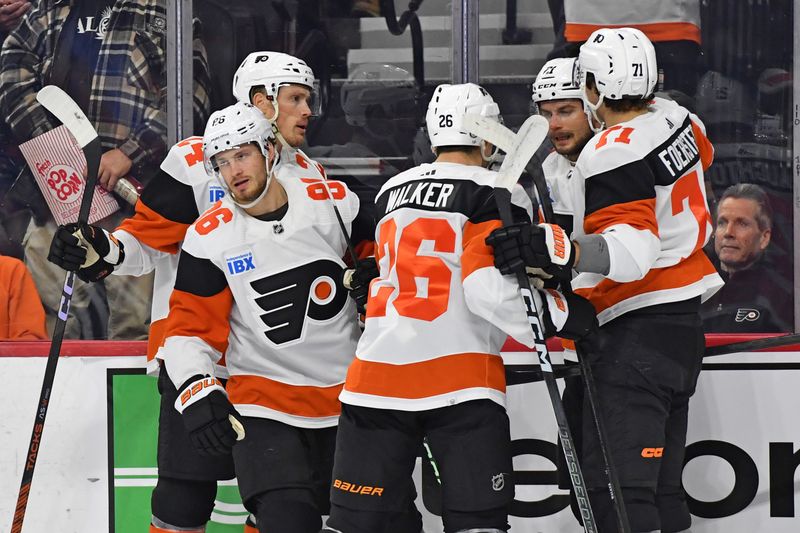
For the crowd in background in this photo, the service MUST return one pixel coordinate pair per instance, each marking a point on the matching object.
(733, 69)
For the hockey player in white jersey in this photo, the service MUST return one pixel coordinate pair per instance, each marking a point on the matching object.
(428, 363)
(282, 87)
(557, 96)
(150, 240)
(260, 281)
(641, 221)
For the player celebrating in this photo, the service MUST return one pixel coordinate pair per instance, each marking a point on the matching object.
(428, 363)
(558, 99)
(259, 280)
(183, 498)
(641, 220)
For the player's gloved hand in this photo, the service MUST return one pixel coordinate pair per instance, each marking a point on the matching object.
(89, 251)
(543, 246)
(567, 315)
(356, 281)
(210, 419)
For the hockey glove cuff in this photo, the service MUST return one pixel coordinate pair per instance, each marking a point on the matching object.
(567, 315)
(210, 419)
(544, 247)
(357, 280)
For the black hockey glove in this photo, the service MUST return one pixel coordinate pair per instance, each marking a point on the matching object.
(566, 315)
(543, 246)
(210, 419)
(89, 251)
(357, 280)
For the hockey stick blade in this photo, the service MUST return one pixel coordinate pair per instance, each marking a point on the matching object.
(63, 107)
(490, 130)
(525, 143)
(55, 100)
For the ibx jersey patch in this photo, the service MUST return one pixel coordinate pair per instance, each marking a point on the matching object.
(241, 263)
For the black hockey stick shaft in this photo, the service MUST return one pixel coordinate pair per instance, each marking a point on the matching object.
(92, 151)
(503, 198)
(346, 234)
(753, 345)
(614, 488)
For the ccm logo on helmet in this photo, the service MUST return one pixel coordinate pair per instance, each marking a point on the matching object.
(313, 290)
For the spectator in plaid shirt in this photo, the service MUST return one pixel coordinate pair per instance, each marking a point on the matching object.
(110, 56)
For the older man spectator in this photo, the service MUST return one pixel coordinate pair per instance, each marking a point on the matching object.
(751, 300)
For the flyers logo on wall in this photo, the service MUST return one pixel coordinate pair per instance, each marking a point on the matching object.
(313, 290)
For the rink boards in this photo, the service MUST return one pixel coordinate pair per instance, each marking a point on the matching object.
(97, 466)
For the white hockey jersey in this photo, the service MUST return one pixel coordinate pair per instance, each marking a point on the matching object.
(440, 311)
(152, 236)
(557, 171)
(640, 184)
(269, 295)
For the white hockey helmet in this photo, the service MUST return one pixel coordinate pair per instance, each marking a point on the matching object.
(447, 108)
(623, 62)
(235, 126)
(272, 70)
(557, 81)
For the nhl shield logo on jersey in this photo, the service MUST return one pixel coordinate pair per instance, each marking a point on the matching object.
(313, 290)
(498, 482)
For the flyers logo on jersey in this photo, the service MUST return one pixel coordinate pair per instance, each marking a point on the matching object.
(313, 290)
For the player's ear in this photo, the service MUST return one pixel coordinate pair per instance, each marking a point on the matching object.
(264, 104)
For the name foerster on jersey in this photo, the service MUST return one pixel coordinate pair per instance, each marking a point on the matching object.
(680, 152)
(241, 263)
(312, 290)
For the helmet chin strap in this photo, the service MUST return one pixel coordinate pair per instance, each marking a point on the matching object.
(274, 123)
(270, 172)
(591, 113)
(492, 157)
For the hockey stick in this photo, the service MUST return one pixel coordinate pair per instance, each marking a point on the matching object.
(67, 111)
(614, 489)
(526, 142)
(756, 344)
(346, 234)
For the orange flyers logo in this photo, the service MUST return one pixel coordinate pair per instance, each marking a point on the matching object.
(649, 453)
(353, 488)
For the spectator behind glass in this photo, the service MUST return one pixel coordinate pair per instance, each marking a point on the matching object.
(110, 56)
(751, 301)
(21, 312)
